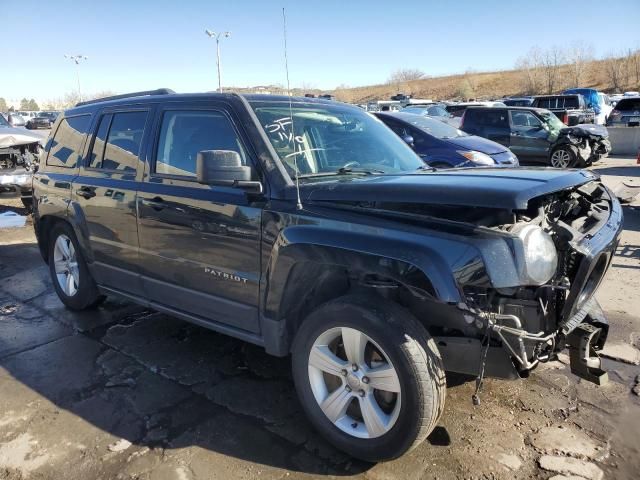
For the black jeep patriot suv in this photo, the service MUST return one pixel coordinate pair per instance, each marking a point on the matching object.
(308, 227)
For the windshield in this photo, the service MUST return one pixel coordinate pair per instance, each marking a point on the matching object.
(628, 104)
(3, 122)
(433, 127)
(551, 120)
(332, 139)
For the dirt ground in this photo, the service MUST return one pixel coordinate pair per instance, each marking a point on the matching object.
(127, 393)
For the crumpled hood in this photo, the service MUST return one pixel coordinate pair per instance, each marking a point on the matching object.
(474, 187)
(586, 130)
(14, 137)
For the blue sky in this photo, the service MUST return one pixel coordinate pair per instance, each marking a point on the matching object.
(142, 44)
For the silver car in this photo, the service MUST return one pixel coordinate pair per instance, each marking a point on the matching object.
(626, 113)
(433, 110)
(15, 120)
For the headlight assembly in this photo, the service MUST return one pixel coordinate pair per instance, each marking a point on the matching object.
(478, 158)
(539, 254)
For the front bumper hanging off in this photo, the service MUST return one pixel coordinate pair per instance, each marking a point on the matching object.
(585, 339)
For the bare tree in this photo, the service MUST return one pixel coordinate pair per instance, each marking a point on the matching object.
(615, 67)
(71, 98)
(552, 60)
(406, 75)
(465, 90)
(530, 66)
(400, 77)
(579, 55)
(308, 86)
(633, 67)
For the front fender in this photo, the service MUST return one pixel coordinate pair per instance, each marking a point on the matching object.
(368, 251)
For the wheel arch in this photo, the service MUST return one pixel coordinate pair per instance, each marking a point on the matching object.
(305, 271)
(75, 219)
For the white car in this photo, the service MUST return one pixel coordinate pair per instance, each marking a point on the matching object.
(605, 109)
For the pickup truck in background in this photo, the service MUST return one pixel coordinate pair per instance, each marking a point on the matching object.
(571, 109)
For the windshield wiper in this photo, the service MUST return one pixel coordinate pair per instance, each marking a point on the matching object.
(426, 168)
(343, 171)
(364, 171)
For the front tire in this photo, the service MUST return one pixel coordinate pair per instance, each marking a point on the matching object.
(69, 273)
(565, 156)
(369, 377)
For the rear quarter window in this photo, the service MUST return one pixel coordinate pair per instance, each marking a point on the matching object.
(628, 104)
(66, 145)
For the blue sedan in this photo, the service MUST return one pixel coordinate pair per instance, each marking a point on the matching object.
(442, 146)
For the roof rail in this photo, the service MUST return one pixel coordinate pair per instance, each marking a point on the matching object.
(158, 91)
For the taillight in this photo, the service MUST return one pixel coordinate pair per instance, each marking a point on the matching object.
(462, 119)
(565, 118)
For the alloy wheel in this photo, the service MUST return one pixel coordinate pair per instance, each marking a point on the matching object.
(66, 265)
(354, 382)
(560, 159)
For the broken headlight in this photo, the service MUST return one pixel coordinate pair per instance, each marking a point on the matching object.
(540, 255)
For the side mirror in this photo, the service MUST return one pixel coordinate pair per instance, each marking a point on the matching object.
(408, 139)
(224, 168)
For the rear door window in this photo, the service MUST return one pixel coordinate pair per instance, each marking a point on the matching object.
(68, 141)
(123, 132)
(491, 118)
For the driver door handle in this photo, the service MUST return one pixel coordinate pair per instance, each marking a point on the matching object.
(157, 203)
(86, 192)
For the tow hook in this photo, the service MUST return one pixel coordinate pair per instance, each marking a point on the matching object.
(584, 359)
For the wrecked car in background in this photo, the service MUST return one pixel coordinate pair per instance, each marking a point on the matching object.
(536, 135)
(19, 156)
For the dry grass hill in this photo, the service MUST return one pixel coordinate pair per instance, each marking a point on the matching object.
(485, 85)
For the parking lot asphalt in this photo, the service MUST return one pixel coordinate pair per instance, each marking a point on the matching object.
(127, 393)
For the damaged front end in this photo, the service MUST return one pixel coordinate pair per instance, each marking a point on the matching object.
(19, 157)
(589, 143)
(536, 320)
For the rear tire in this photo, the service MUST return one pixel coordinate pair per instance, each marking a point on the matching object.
(369, 415)
(69, 273)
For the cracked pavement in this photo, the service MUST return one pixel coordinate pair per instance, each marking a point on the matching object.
(127, 393)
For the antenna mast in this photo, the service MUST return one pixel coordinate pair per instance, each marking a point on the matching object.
(293, 135)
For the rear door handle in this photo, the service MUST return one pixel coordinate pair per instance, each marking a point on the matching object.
(86, 192)
(157, 203)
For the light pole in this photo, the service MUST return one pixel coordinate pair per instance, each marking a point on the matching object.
(217, 36)
(76, 59)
